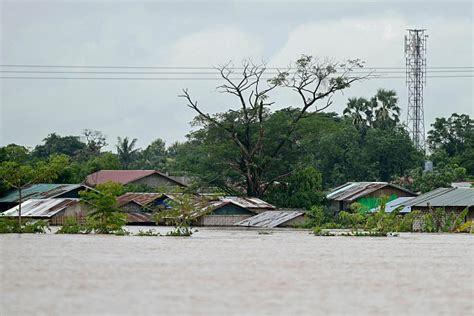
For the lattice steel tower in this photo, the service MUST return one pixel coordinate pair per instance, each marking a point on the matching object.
(415, 53)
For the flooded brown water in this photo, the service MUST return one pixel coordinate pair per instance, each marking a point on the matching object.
(237, 272)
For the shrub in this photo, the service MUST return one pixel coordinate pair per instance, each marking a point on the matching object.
(467, 227)
(149, 232)
(105, 217)
(71, 226)
(352, 220)
(12, 226)
(37, 227)
(438, 220)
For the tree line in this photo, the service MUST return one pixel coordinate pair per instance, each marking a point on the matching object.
(287, 156)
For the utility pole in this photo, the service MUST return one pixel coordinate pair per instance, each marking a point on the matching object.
(415, 54)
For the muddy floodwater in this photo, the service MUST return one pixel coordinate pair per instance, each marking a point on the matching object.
(237, 272)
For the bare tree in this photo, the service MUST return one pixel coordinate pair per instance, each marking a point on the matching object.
(315, 82)
(95, 140)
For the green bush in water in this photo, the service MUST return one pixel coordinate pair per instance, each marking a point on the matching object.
(11, 226)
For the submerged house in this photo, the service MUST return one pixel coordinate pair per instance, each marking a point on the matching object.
(365, 193)
(228, 210)
(139, 206)
(451, 199)
(275, 218)
(41, 191)
(55, 210)
(150, 178)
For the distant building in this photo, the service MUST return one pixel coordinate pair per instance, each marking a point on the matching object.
(150, 178)
(139, 206)
(451, 199)
(228, 210)
(54, 210)
(365, 193)
(41, 191)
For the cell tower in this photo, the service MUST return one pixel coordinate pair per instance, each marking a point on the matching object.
(415, 54)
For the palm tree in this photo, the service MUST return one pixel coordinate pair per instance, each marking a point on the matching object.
(126, 151)
(387, 112)
(359, 110)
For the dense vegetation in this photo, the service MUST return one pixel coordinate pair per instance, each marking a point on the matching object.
(259, 147)
(325, 150)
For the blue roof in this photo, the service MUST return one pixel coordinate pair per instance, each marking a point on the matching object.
(39, 191)
(397, 203)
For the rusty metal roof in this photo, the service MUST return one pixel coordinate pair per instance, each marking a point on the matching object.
(124, 176)
(40, 191)
(139, 217)
(142, 199)
(270, 219)
(41, 208)
(442, 197)
(352, 191)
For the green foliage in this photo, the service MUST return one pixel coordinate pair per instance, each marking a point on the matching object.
(315, 217)
(352, 220)
(35, 227)
(126, 151)
(148, 232)
(184, 208)
(451, 140)
(303, 189)
(442, 176)
(381, 111)
(318, 231)
(467, 227)
(105, 217)
(438, 220)
(12, 226)
(71, 226)
(55, 144)
(16, 175)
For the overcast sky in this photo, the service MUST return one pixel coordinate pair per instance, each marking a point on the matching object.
(203, 34)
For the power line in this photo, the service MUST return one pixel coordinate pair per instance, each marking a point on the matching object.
(197, 73)
(196, 78)
(193, 67)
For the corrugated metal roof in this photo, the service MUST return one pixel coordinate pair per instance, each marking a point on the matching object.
(139, 217)
(394, 204)
(247, 202)
(40, 191)
(352, 191)
(270, 219)
(123, 176)
(41, 207)
(442, 197)
(139, 198)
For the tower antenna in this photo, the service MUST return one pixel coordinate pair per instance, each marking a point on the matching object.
(415, 54)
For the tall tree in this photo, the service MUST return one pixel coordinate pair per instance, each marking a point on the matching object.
(359, 111)
(451, 140)
(451, 134)
(153, 156)
(314, 81)
(95, 141)
(56, 144)
(387, 112)
(126, 151)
